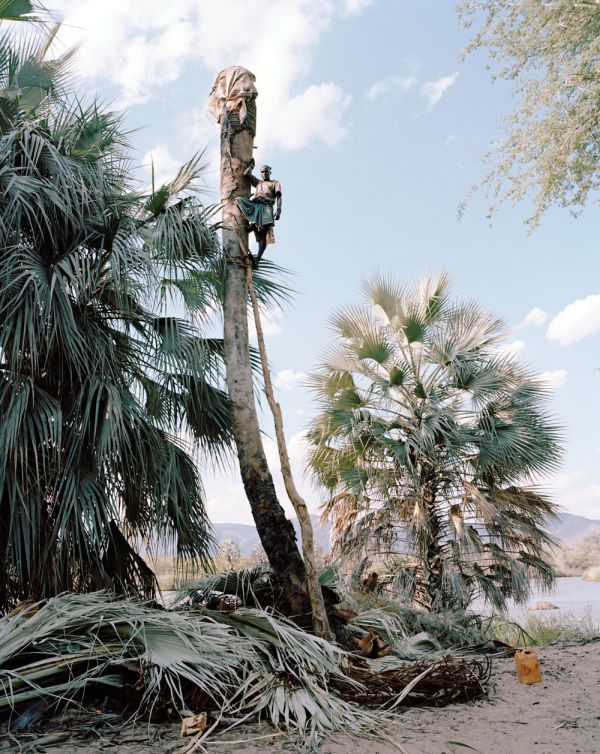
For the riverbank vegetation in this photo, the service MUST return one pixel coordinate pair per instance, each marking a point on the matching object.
(582, 557)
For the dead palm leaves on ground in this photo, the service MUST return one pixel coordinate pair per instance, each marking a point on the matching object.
(248, 663)
(53, 649)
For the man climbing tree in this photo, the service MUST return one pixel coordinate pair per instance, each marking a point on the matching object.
(258, 210)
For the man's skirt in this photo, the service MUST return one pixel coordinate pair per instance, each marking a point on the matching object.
(259, 215)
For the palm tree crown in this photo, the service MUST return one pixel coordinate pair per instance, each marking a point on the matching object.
(429, 437)
(101, 390)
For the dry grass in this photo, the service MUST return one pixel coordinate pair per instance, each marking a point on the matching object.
(542, 630)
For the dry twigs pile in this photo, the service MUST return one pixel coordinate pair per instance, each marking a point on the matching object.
(421, 683)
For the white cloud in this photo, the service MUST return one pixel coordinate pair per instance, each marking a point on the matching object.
(165, 165)
(583, 499)
(564, 480)
(141, 52)
(288, 379)
(576, 321)
(353, 7)
(535, 317)
(138, 52)
(199, 132)
(433, 91)
(196, 126)
(511, 349)
(318, 114)
(574, 491)
(271, 320)
(225, 499)
(554, 379)
(390, 85)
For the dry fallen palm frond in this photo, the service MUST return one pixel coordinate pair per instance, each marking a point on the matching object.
(387, 633)
(55, 648)
(386, 624)
(446, 630)
(253, 587)
(289, 683)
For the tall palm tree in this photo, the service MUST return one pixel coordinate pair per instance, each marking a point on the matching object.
(428, 440)
(274, 528)
(102, 392)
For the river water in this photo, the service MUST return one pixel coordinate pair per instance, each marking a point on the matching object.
(571, 595)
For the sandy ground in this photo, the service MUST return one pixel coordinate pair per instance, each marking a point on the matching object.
(560, 715)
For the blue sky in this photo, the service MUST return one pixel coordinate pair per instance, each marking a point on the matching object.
(376, 132)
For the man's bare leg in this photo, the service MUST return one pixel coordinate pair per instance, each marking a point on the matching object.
(262, 245)
(253, 229)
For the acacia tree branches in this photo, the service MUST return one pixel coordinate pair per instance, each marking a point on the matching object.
(551, 50)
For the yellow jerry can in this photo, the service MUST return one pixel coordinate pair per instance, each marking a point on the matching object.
(528, 666)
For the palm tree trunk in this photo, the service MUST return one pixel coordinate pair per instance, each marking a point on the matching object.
(429, 592)
(275, 531)
(319, 614)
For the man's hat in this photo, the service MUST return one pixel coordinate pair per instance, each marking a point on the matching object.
(268, 167)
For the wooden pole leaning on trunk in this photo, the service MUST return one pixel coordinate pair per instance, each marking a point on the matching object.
(319, 614)
(232, 102)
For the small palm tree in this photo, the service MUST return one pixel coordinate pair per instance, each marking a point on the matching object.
(103, 394)
(428, 440)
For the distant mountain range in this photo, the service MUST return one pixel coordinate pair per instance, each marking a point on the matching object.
(568, 529)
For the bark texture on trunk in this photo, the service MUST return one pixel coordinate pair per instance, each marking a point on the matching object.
(319, 614)
(275, 530)
(429, 594)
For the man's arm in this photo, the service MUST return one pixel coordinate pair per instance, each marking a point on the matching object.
(248, 173)
(278, 204)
